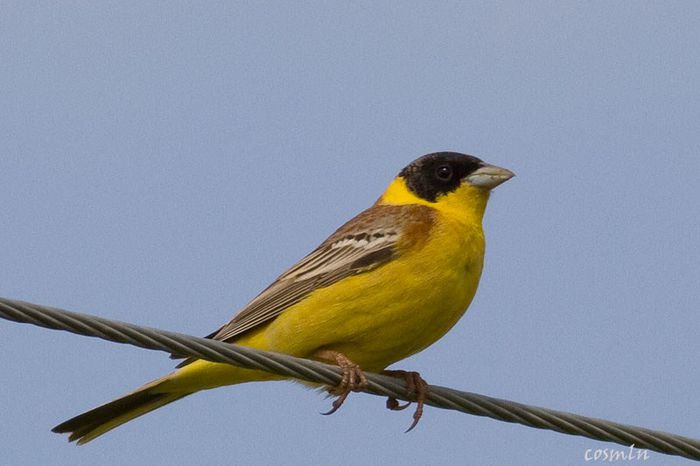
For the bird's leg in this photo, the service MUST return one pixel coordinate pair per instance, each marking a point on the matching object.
(353, 380)
(416, 387)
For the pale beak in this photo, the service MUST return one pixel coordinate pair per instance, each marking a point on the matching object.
(489, 176)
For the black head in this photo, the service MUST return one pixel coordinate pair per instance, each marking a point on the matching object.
(439, 173)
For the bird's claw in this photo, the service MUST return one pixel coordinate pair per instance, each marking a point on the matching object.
(354, 380)
(393, 404)
(337, 403)
(415, 387)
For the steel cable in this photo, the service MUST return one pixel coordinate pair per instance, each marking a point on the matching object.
(312, 371)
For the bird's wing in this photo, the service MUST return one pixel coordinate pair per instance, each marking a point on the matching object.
(362, 244)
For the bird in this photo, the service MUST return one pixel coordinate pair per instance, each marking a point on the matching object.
(384, 286)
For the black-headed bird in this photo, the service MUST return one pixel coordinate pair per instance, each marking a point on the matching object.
(386, 285)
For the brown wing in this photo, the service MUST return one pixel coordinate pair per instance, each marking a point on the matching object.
(362, 244)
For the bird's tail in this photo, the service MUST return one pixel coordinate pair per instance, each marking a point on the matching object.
(91, 424)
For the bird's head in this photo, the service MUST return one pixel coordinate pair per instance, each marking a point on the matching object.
(447, 181)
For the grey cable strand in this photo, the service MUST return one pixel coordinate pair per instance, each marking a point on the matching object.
(441, 397)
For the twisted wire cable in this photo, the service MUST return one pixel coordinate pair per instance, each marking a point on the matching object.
(312, 371)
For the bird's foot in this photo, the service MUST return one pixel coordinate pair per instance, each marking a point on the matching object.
(415, 387)
(353, 380)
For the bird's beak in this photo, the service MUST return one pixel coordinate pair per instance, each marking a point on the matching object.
(489, 176)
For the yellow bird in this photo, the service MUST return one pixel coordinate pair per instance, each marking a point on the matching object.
(384, 286)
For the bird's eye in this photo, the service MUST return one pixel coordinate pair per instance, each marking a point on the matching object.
(444, 172)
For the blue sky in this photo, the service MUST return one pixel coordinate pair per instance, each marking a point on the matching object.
(162, 163)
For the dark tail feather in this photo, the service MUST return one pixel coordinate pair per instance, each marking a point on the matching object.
(90, 425)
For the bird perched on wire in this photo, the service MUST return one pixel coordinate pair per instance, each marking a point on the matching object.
(384, 286)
